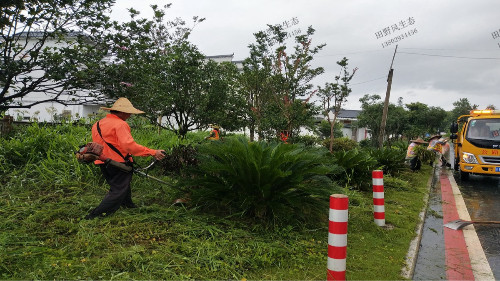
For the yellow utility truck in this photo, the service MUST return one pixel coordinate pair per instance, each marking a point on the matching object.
(477, 143)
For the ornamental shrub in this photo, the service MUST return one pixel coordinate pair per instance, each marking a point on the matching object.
(343, 143)
(390, 160)
(270, 182)
(356, 168)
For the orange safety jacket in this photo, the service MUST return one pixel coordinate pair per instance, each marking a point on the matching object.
(117, 132)
(214, 135)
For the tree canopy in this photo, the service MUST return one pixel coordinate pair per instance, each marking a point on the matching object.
(334, 95)
(159, 70)
(46, 49)
(277, 82)
(404, 120)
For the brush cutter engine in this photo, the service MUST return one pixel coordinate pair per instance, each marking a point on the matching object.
(89, 152)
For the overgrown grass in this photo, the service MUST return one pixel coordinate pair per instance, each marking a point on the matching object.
(44, 197)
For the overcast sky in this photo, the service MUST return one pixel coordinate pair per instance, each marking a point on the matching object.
(447, 49)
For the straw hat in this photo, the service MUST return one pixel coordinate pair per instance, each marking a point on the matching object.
(123, 105)
(435, 137)
(419, 140)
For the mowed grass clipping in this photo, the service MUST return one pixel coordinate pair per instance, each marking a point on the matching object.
(44, 236)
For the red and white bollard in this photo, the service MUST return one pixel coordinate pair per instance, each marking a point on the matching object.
(337, 237)
(378, 197)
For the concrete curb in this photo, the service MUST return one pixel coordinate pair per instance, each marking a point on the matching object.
(411, 257)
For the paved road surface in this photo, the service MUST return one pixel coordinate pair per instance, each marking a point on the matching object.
(482, 198)
(446, 253)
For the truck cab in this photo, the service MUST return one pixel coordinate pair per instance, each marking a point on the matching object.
(477, 143)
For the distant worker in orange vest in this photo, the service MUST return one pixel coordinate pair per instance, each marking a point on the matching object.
(284, 136)
(214, 134)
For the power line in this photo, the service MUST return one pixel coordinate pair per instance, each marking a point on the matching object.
(349, 53)
(446, 56)
(383, 77)
(454, 50)
(416, 53)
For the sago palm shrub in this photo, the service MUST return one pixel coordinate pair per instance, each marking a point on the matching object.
(271, 182)
(356, 166)
(390, 160)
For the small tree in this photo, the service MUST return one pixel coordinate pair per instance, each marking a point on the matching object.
(334, 95)
(195, 93)
(275, 81)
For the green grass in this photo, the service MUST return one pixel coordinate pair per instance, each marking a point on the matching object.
(43, 236)
(377, 253)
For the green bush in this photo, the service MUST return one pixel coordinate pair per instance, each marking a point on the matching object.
(390, 160)
(271, 182)
(356, 168)
(306, 140)
(324, 127)
(400, 145)
(366, 143)
(343, 143)
(425, 155)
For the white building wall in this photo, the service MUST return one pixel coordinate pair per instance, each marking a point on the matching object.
(45, 112)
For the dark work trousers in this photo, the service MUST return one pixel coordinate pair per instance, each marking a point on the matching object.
(119, 193)
(415, 163)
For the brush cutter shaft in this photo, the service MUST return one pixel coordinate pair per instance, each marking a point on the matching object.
(127, 168)
(158, 180)
(151, 177)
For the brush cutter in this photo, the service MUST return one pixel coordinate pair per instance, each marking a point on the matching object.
(140, 171)
(459, 224)
(92, 151)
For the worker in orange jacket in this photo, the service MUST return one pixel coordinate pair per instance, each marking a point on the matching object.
(214, 134)
(113, 133)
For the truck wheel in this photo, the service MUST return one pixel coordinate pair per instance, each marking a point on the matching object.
(464, 176)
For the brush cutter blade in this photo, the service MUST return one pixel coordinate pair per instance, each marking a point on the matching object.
(458, 224)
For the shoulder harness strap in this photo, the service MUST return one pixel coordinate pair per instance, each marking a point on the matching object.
(110, 145)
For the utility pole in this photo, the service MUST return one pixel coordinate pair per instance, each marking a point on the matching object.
(386, 103)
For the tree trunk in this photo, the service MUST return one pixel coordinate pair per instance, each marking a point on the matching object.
(332, 125)
(331, 136)
(252, 131)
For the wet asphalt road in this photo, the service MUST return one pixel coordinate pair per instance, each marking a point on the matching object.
(482, 198)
